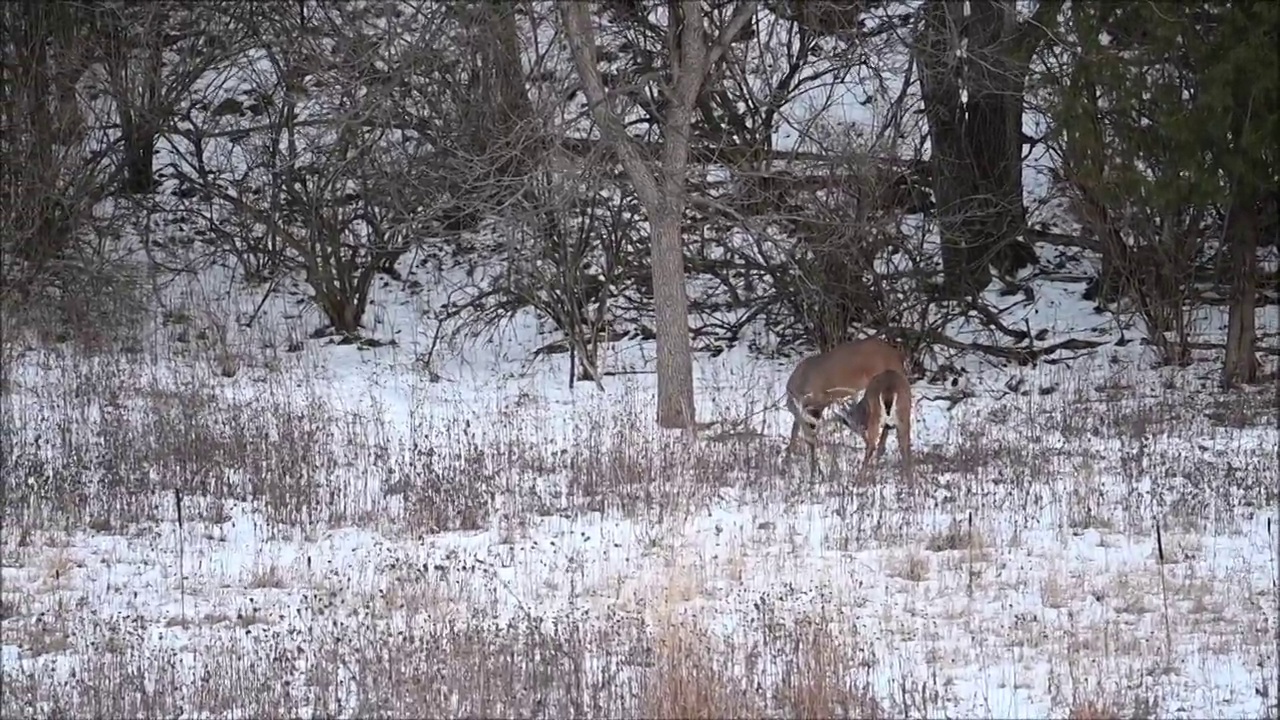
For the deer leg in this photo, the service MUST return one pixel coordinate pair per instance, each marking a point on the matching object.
(874, 443)
(904, 450)
(806, 426)
(795, 434)
(801, 431)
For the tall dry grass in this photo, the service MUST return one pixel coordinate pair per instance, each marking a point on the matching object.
(106, 442)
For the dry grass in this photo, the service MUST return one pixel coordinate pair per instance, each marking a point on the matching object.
(1089, 710)
(448, 669)
(108, 447)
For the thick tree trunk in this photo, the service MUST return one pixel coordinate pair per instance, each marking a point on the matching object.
(992, 137)
(41, 217)
(1241, 363)
(1244, 222)
(952, 179)
(139, 159)
(513, 108)
(676, 407)
(976, 143)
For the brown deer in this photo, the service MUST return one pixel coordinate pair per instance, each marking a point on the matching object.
(888, 392)
(840, 373)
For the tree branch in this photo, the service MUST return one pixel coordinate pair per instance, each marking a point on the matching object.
(582, 46)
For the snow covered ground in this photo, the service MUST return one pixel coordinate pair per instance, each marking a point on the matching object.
(328, 531)
(230, 521)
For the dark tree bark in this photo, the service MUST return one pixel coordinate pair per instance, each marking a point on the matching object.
(139, 158)
(992, 137)
(134, 57)
(976, 142)
(953, 181)
(1244, 222)
(1241, 362)
(40, 218)
(511, 105)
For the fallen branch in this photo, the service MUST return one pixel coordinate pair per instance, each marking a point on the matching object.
(1049, 237)
(1262, 298)
(1020, 355)
(1216, 347)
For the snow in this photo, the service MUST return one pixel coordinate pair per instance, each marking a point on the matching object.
(1002, 586)
(357, 539)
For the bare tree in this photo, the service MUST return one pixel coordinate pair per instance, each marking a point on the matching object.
(156, 57)
(661, 192)
(570, 257)
(51, 173)
(61, 274)
(362, 130)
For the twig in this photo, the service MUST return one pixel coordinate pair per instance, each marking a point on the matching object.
(182, 579)
(1164, 594)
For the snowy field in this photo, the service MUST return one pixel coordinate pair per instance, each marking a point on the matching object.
(248, 523)
(229, 522)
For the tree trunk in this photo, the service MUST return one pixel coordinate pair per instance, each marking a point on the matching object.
(40, 217)
(1244, 223)
(1241, 363)
(992, 138)
(139, 159)
(512, 108)
(676, 407)
(940, 90)
(976, 146)
(663, 201)
(689, 65)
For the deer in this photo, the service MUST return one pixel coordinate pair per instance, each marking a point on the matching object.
(871, 366)
(888, 392)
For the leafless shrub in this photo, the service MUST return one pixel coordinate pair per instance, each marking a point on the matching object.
(311, 187)
(1148, 256)
(802, 244)
(96, 301)
(155, 61)
(54, 170)
(572, 255)
(834, 258)
(356, 134)
(855, 265)
(88, 114)
(63, 277)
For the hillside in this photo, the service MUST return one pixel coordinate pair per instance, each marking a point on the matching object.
(345, 520)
